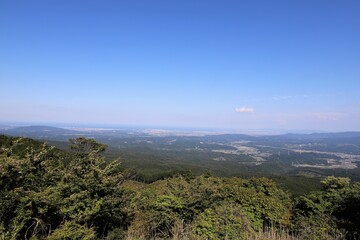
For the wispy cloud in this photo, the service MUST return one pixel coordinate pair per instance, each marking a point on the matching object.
(328, 116)
(284, 97)
(244, 110)
(279, 98)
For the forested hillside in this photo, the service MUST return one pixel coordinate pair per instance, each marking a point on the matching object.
(47, 193)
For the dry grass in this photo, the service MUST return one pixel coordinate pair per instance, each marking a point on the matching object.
(275, 234)
(181, 231)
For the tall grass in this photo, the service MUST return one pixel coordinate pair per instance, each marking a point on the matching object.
(181, 231)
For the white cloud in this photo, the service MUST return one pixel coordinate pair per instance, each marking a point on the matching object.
(245, 110)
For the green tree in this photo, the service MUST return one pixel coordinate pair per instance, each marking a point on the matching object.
(335, 183)
(319, 214)
(254, 203)
(42, 188)
(226, 221)
(74, 231)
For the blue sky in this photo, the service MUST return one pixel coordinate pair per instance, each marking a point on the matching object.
(210, 64)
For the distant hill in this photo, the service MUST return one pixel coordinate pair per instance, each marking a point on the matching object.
(314, 136)
(41, 132)
(37, 129)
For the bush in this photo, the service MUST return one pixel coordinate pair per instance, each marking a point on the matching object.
(72, 231)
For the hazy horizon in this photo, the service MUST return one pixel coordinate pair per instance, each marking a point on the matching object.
(286, 65)
(125, 127)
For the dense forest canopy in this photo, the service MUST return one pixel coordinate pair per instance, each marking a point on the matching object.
(47, 193)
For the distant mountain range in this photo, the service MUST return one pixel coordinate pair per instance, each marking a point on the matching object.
(323, 135)
(49, 131)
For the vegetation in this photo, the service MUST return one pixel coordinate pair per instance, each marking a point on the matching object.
(46, 193)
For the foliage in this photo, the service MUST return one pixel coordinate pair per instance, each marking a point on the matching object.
(330, 212)
(334, 183)
(46, 193)
(226, 221)
(72, 230)
(42, 189)
(254, 203)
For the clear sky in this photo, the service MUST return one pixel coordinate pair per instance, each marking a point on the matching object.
(190, 63)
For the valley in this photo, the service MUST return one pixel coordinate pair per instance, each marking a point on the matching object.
(155, 153)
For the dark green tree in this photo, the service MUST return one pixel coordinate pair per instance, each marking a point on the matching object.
(43, 189)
